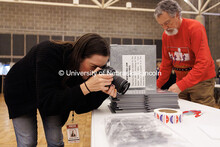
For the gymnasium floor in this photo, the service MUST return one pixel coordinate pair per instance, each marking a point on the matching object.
(7, 136)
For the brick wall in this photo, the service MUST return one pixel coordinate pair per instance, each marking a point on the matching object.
(213, 31)
(77, 21)
(128, 27)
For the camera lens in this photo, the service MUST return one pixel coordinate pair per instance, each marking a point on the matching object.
(121, 84)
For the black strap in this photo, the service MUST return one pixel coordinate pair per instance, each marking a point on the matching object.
(182, 69)
(87, 87)
(72, 116)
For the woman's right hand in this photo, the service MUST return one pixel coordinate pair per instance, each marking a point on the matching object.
(99, 81)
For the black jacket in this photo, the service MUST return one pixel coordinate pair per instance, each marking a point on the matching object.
(34, 82)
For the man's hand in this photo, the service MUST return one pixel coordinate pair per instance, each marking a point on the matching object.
(174, 88)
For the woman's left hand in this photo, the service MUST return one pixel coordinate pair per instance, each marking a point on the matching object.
(111, 91)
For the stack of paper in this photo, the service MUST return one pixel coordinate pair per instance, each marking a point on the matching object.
(161, 99)
(129, 103)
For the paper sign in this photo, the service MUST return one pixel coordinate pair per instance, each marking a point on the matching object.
(133, 70)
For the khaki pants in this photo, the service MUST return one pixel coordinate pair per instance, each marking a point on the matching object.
(202, 93)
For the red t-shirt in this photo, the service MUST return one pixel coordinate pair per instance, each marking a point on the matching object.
(187, 49)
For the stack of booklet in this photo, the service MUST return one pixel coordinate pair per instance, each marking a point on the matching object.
(161, 99)
(147, 102)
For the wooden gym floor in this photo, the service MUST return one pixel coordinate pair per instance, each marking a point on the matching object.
(7, 135)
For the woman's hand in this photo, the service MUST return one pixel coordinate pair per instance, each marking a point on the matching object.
(99, 82)
(111, 91)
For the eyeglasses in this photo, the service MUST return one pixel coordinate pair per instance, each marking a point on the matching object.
(167, 23)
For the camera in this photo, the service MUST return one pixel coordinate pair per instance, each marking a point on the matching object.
(121, 84)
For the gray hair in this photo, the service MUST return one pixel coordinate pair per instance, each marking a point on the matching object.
(169, 6)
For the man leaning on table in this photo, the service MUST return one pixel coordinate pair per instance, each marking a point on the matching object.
(185, 49)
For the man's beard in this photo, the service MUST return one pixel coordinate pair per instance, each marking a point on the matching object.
(171, 31)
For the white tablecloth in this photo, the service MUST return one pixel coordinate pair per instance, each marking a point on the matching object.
(203, 131)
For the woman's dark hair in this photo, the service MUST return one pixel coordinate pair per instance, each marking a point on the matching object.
(86, 46)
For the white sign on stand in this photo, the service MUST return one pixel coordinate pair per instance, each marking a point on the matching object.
(133, 63)
(133, 68)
